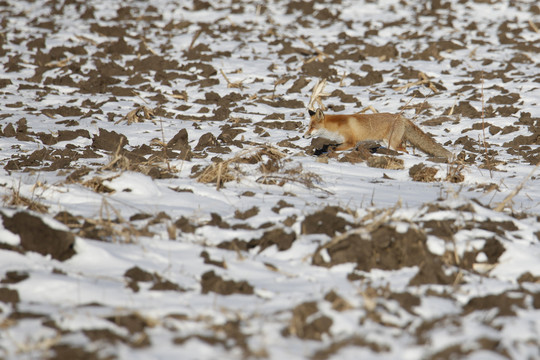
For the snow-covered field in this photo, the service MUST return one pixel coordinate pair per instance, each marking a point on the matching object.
(159, 201)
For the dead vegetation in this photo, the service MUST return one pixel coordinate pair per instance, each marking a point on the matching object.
(508, 199)
(271, 166)
(295, 175)
(13, 198)
(385, 162)
(317, 93)
(423, 80)
(421, 172)
(111, 226)
(267, 157)
(454, 172)
(138, 115)
(232, 84)
(96, 184)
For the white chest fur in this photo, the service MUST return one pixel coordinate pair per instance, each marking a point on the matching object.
(330, 135)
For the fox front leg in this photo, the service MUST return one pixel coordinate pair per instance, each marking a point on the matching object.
(345, 146)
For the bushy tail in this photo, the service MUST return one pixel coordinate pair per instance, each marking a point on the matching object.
(424, 142)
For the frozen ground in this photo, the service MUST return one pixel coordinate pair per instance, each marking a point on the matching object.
(159, 201)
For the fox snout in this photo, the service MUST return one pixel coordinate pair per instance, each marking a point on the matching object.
(309, 133)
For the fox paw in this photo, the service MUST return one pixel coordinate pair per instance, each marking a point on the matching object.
(325, 149)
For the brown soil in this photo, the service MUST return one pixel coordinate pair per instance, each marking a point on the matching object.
(37, 236)
(210, 282)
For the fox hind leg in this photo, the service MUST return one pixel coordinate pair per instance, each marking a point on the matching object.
(395, 140)
(402, 147)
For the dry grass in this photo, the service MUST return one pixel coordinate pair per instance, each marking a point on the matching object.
(111, 226)
(507, 200)
(533, 26)
(423, 79)
(385, 162)
(120, 162)
(317, 94)
(43, 344)
(422, 173)
(294, 175)
(320, 54)
(138, 115)
(365, 109)
(15, 199)
(268, 158)
(483, 115)
(97, 185)
(454, 172)
(232, 84)
(219, 173)
(270, 166)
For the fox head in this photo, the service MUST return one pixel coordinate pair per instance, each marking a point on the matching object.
(316, 122)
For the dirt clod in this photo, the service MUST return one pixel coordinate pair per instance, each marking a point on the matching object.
(326, 221)
(423, 173)
(9, 296)
(304, 326)
(109, 140)
(210, 282)
(39, 237)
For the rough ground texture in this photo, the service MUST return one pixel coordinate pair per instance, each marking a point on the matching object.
(158, 200)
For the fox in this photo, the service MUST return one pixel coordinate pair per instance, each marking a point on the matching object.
(393, 129)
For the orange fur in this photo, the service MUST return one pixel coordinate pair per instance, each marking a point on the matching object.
(393, 129)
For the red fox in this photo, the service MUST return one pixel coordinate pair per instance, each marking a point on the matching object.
(393, 129)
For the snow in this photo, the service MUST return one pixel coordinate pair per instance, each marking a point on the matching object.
(60, 302)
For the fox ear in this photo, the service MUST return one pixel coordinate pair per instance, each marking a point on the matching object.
(319, 114)
(311, 112)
